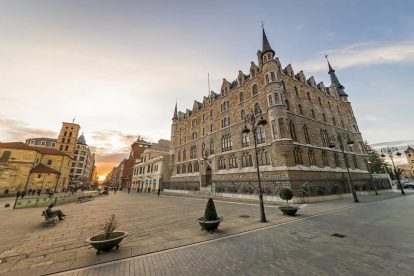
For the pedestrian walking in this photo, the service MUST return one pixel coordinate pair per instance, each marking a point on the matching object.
(129, 190)
(159, 191)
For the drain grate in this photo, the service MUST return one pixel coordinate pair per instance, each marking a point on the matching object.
(244, 216)
(338, 235)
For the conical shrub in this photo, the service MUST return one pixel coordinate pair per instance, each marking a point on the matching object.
(210, 213)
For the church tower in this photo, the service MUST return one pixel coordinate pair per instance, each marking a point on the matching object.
(67, 138)
(173, 136)
(276, 103)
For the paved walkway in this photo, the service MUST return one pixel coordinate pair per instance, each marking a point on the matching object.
(154, 224)
(376, 242)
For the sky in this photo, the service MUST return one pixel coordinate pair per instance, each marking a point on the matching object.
(120, 66)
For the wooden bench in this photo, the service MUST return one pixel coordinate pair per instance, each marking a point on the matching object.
(49, 220)
(85, 198)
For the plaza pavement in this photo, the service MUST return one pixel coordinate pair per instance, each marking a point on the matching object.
(160, 224)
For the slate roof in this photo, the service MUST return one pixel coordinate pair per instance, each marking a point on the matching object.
(408, 149)
(175, 116)
(266, 45)
(23, 146)
(41, 168)
(81, 140)
(334, 81)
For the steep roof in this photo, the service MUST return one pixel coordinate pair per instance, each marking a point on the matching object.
(334, 81)
(41, 168)
(266, 45)
(409, 149)
(23, 146)
(175, 116)
(81, 140)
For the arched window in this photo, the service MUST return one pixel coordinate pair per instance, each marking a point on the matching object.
(178, 169)
(263, 158)
(245, 140)
(255, 90)
(64, 134)
(325, 138)
(313, 114)
(211, 127)
(194, 135)
(196, 167)
(300, 109)
(329, 104)
(292, 131)
(336, 158)
(306, 134)
(233, 162)
(240, 81)
(184, 155)
(320, 101)
(243, 115)
(179, 156)
(183, 169)
(282, 85)
(324, 117)
(354, 159)
(212, 147)
(204, 131)
(270, 100)
(70, 134)
(222, 163)
(190, 168)
(204, 118)
(247, 160)
(241, 97)
(257, 109)
(226, 142)
(325, 158)
(287, 105)
(253, 73)
(261, 137)
(203, 149)
(309, 97)
(296, 92)
(339, 111)
(334, 121)
(311, 157)
(193, 152)
(211, 113)
(297, 155)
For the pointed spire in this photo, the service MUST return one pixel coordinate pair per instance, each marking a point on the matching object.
(175, 112)
(334, 80)
(265, 43)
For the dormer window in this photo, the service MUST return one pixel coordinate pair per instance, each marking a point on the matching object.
(253, 73)
(240, 81)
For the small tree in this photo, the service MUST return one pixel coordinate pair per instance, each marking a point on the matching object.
(110, 226)
(210, 213)
(18, 194)
(286, 194)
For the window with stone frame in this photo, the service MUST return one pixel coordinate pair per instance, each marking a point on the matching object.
(211, 113)
(273, 76)
(190, 168)
(297, 155)
(196, 167)
(241, 96)
(240, 81)
(342, 123)
(204, 118)
(354, 159)
(245, 140)
(253, 73)
(204, 131)
(247, 160)
(222, 163)
(261, 136)
(282, 85)
(287, 105)
(194, 123)
(276, 95)
(255, 90)
(226, 143)
(243, 115)
(306, 134)
(329, 105)
(270, 100)
(267, 78)
(309, 96)
(320, 101)
(211, 127)
(324, 117)
(292, 131)
(311, 157)
(212, 147)
(233, 161)
(313, 114)
(325, 158)
(336, 158)
(225, 122)
(203, 149)
(193, 152)
(183, 169)
(282, 128)
(333, 121)
(184, 155)
(296, 91)
(257, 109)
(300, 109)
(274, 129)
(325, 138)
(263, 158)
(194, 135)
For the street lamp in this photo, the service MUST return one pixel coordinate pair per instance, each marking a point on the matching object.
(390, 152)
(251, 118)
(339, 138)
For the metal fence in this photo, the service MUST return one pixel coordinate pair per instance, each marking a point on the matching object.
(300, 188)
(44, 201)
(182, 185)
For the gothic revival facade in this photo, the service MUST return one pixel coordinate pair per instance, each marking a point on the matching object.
(208, 144)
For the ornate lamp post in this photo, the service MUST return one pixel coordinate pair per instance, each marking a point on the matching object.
(251, 119)
(390, 152)
(339, 138)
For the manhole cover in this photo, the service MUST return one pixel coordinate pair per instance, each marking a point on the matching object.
(244, 216)
(338, 235)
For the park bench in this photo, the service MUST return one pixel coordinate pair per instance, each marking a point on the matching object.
(85, 198)
(49, 219)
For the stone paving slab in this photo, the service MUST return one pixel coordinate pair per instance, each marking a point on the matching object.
(154, 224)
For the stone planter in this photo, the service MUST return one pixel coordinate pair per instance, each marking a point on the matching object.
(107, 245)
(290, 211)
(209, 225)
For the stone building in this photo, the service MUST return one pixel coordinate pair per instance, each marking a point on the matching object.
(82, 165)
(42, 142)
(302, 115)
(152, 169)
(24, 167)
(67, 138)
(409, 154)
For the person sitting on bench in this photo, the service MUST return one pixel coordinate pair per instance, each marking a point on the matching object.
(52, 213)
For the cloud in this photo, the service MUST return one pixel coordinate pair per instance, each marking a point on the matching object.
(299, 27)
(369, 118)
(12, 130)
(366, 53)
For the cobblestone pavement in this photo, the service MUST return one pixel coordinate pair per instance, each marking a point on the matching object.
(157, 224)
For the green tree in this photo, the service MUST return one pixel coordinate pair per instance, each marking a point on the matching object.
(376, 161)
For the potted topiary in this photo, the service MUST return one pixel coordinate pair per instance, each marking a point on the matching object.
(109, 239)
(18, 194)
(23, 194)
(286, 194)
(210, 221)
